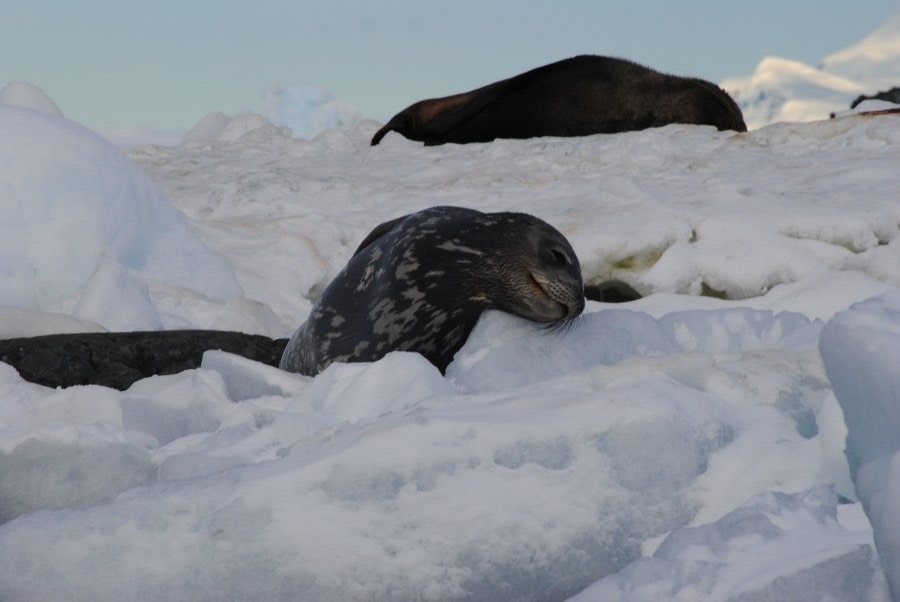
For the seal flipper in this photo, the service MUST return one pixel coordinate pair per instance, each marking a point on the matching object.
(456, 114)
(431, 121)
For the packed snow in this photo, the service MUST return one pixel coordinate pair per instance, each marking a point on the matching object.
(685, 446)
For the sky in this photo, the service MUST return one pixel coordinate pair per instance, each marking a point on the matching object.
(120, 63)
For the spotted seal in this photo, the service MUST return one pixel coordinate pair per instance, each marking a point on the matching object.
(577, 96)
(420, 282)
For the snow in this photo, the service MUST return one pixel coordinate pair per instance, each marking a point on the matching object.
(781, 89)
(814, 557)
(786, 90)
(307, 111)
(874, 59)
(28, 96)
(687, 446)
(75, 211)
(860, 347)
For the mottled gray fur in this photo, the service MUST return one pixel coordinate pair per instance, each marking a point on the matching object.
(420, 283)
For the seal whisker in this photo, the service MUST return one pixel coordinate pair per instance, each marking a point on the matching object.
(563, 326)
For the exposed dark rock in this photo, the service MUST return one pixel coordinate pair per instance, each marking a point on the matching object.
(892, 95)
(611, 291)
(118, 359)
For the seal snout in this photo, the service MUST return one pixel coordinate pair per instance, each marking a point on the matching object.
(562, 300)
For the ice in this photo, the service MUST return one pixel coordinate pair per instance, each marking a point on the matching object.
(307, 111)
(134, 309)
(723, 560)
(70, 466)
(71, 201)
(172, 407)
(562, 480)
(28, 96)
(208, 129)
(354, 392)
(688, 445)
(860, 347)
(505, 351)
(245, 379)
(20, 322)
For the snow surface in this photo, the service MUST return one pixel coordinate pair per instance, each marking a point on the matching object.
(685, 446)
(860, 347)
(782, 89)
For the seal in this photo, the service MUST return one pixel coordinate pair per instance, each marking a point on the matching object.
(577, 96)
(420, 282)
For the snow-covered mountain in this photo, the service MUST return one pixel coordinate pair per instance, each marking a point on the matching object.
(786, 90)
(874, 61)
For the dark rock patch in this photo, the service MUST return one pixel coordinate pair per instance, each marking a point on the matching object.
(611, 291)
(892, 95)
(118, 359)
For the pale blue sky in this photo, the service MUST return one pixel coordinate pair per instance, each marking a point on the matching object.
(165, 64)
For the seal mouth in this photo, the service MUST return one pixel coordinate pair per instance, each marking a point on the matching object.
(553, 307)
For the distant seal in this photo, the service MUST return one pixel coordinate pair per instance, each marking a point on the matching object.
(578, 96)
(420, 282)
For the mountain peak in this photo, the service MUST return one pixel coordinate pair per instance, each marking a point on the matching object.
(782, 89)
(875, 59)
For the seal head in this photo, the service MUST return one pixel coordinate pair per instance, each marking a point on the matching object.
(420, 283)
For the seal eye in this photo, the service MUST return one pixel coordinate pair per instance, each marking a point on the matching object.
(559, 257)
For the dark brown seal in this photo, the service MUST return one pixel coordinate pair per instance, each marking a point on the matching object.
(420, 283)
(574, 97)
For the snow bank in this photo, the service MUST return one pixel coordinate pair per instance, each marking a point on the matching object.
(860, 347)
(28, 96)
(73, 205)
(385, 480)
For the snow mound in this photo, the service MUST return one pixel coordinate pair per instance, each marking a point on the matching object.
(71, 203)
(28, 96)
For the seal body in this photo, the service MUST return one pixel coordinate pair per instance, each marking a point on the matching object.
(578, 96)
(420, 283)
